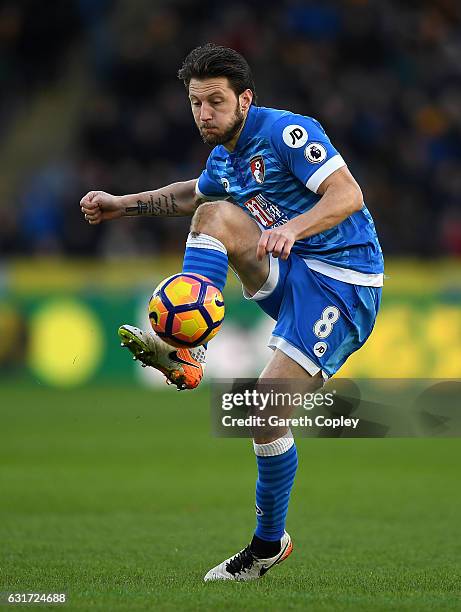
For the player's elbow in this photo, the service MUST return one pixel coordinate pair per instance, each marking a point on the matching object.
(355, 199)
(352, 198)
(347, 193)
(349, 200)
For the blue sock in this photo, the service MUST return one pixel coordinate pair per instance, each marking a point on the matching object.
(277, 462)
(207, 256)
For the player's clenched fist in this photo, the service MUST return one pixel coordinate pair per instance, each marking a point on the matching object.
(278, 241)
(100, 206)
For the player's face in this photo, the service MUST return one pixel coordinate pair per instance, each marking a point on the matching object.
(218, 112)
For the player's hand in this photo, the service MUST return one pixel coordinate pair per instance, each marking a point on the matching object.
(100, 206)
(278, 241)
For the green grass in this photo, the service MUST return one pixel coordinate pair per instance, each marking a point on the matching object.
(123, 499)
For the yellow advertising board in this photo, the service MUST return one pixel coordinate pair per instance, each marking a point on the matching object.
(58, 322)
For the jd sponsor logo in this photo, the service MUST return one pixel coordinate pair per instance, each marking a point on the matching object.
(320, 348)
(294, 136)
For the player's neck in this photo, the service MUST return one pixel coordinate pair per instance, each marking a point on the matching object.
(231, 144)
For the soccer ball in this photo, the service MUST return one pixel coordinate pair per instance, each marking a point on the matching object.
(186, 310)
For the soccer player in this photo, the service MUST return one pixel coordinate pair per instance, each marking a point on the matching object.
(277, 202)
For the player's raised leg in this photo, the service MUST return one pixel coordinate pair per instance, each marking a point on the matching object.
(220, 232)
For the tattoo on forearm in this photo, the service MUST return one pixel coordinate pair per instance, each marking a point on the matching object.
(163, 205)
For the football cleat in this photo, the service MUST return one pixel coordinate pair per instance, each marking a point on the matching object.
(182, 367)
(245, 566)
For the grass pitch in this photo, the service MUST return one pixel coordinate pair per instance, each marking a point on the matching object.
(122, 499)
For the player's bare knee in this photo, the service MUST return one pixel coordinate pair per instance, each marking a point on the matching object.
(222, 220)
(206, 218)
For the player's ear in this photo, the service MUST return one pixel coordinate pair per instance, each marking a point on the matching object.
(245, 100)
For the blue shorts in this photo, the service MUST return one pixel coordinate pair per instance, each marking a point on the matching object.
(320, 320)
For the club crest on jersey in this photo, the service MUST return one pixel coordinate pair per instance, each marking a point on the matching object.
(257, 168)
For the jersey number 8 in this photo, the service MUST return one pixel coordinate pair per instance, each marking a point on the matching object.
(324, 326)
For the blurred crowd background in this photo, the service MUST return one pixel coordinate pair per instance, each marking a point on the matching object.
(90, 100)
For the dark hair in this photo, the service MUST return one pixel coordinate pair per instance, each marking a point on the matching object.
(211, 60)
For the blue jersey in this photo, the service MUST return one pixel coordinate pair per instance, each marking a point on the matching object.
(274, 173)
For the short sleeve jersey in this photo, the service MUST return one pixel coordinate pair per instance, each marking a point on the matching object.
(274, 173)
